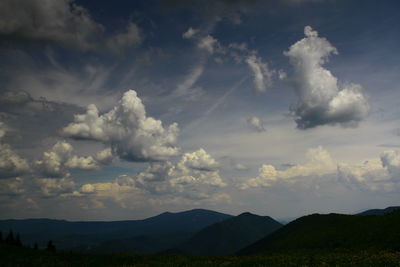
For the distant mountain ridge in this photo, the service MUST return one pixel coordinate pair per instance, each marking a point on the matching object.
(206, 232)
(68, 235)
(379, 211)
(229, 236)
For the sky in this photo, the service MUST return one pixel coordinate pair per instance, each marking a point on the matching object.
(117, 110)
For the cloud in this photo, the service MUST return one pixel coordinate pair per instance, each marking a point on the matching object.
(15, 98)
(320, 100)
(12, 187)
(369, 175)
(261, 73)
(55, 187)
(185, 89)
(131, 37)
(256, 124)
(23, 115)
(204, 41)
(60, 159)
(190, 33)
(11, 164)
(130, 133)
(198, 160)
(195, 176)
(60, 21)
(391, 160)
(319, 162)
(194, 169)
(208, 43)
(320, 170)
(104, 156)
(240, 167)
(57, 21)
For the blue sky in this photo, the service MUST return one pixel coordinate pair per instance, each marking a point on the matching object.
(125, 109)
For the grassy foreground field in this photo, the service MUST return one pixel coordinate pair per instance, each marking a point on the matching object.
(13, 256)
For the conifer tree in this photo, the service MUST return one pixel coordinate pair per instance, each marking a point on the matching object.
(18, 240)
(35, 246)
(50, 246)
(1, 236)
(10, 238)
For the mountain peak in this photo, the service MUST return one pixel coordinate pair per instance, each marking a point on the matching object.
(246, 214)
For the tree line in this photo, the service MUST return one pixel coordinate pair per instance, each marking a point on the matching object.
(15, 240)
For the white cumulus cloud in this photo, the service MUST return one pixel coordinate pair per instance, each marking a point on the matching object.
(195, 176)
(319, 162)
(131, 134)
(198, 160)
(320, 99)
(320, 169)
(60, 159)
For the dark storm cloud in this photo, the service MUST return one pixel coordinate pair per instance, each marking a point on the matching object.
(62, 22)
(30, 120)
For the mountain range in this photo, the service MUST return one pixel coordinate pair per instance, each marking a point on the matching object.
(85, 236)
(379, 211)
(205, 232)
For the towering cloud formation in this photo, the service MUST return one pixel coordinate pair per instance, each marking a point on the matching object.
(321, 101)
(130, 133)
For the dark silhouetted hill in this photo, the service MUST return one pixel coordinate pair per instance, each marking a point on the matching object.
(228, 236)
(333, 231)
